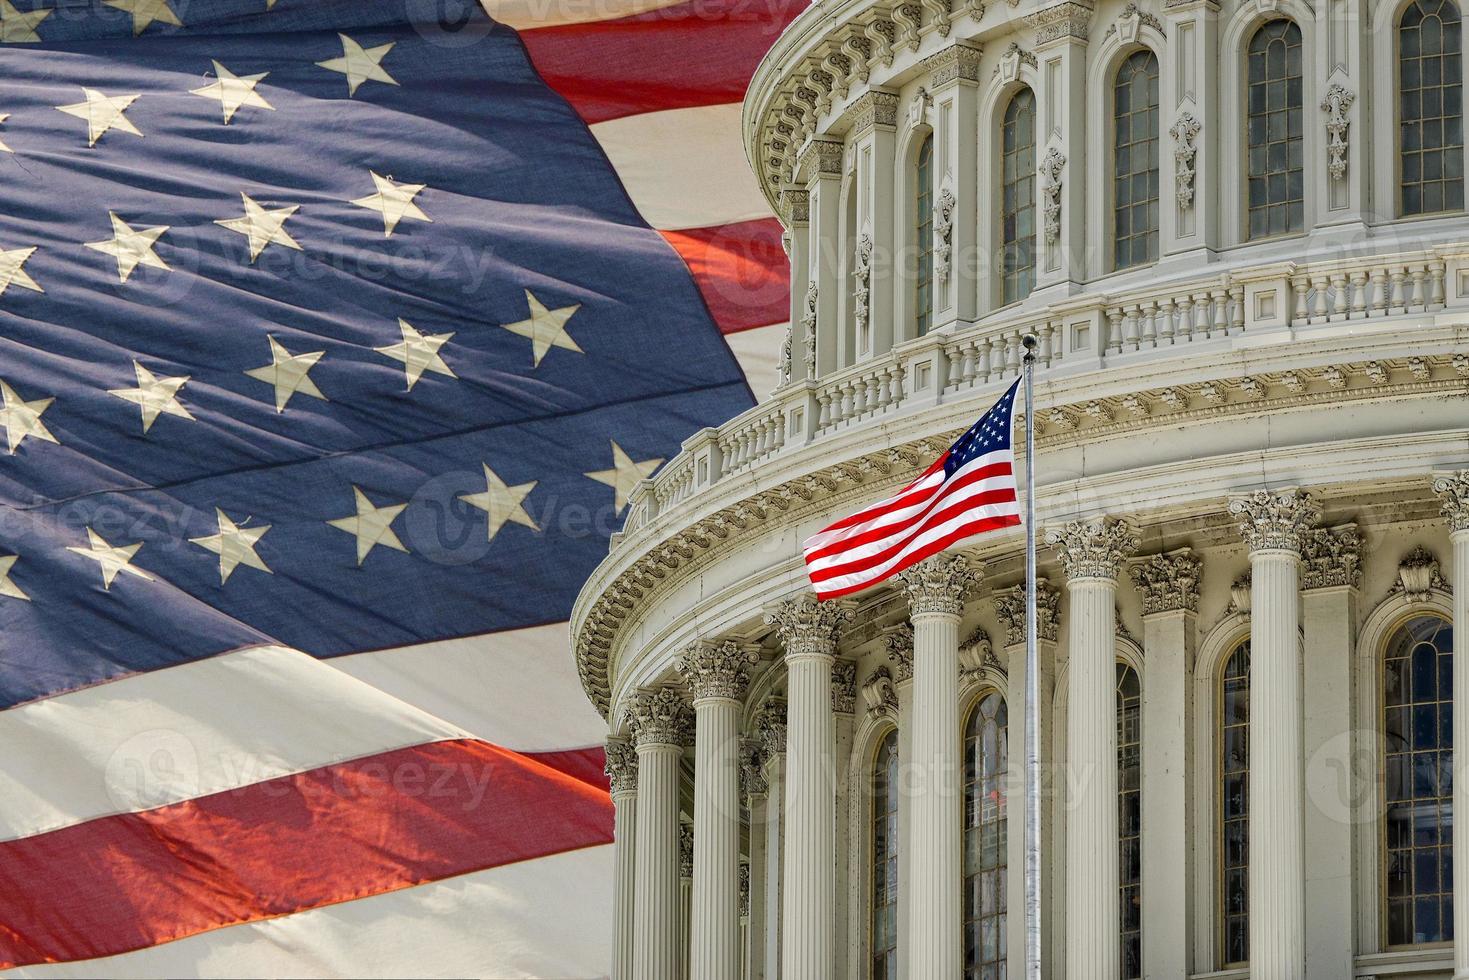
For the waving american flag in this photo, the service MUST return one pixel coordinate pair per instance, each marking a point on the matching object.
(334, 335)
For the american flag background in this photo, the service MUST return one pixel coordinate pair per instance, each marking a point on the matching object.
(333, 336)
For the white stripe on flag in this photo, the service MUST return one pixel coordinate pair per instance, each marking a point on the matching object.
(758, 352)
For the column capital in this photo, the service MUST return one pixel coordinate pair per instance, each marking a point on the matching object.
(622, 766)
(808, 627)
(753, 781)
(661, 717)
(1332, 557)
(1168, 582)
(795, 206)
(717, 669)
(1010, 606)
(898, 641)
(1275, 520)
(1093, 548)
(1454, 489)
(958, 62)
(873, 109)
(819, 158)
(938, 585)
(771, 728)
(686, 850)
(1060, 22)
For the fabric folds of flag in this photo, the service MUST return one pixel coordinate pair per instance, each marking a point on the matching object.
(968, 490)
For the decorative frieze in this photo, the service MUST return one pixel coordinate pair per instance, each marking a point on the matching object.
(1060, 22)
(939, 584)
(807, 627)
(1275, 520)
(717, 669)
(621, 766)
(1331, 557)
(1093, 548)
(1335, 103)
(1052, 166)
(1185, 132)
(898, 641)
(1168, 582)
(770, 728)
(879, 695)
(843, 686)
(957, 62)
(1453, 488)
(1010, 607)
(977, 654)
(661, 716)
(1419, 576)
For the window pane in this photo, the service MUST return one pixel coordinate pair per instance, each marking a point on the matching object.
(1273, 131)
(923, 212)
(986, 759)
(1234, 810)
(1417, 785)
(1430, 120)
(1129, 819)
(884, 896)
(1135, 161)
(1017, 212)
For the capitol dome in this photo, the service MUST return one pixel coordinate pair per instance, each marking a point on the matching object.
(1238, 231)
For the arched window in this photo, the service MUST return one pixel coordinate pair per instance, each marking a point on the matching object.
(1017, 202)
(1431, 120)
(1135, 161)
(1129, 818)
(1234, 806)
(1277, 193)
(923, 218)
(885, 860)
(986, 760)
(1418, 755)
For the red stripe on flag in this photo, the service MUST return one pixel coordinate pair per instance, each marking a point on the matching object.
(588, 765)
(690, 54)
(347, 831)
(741, 269)
(928, 551)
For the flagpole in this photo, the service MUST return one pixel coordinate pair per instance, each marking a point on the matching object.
(1032, 693)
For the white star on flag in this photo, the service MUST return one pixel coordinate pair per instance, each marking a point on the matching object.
(371, 525)
(419, 352)
(287, 373)
(17, 27)
(131, 247)
(12, 270)
(393, 200)
(146, 12)
(625, 474)
(545, 328)
(8, 587)
(502, 503)
(111, 560)
(262, 226)
(234, 545)
(360, 64)
(154, 396)
(102, 113)
(20, 418)
(233, 91)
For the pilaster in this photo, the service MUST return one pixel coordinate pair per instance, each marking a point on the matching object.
(795, 212)
(954, 81)
(1061, 31)
(899, 645)
(1190, 144)
(1453, 489)
(819, 167)
(872, 132)
(622, 774)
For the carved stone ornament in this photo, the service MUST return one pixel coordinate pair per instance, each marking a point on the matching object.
(796, 206)
(753, 781)
(858, 48)
(898, 641)
(977, 653)
(1185, 132)
(1008, 70)
(1332, 557)
(1240, 591)
(884, 34)
(943, 232)
(938, 15)
(686, 850)
(871, 110)
(1010, 606)
(957, 61)
(714, 669)
(879, 695)
(1418, 575)
(808, 627)
(1060, 21)
(771, 727)
(1335, 103)
(1093, 548)
(808, 328)
(1168, 583)
(622, 766)
(1130, 20)
(784, 377)
(908, 17)
(938, 585)
(661, 716)
(919, 108)
(843, 686)
(1453, 488)
(862, 275)
(1275, 520)
(1052, 167)
(744, 889)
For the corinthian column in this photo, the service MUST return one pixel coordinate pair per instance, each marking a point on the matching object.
(660, 725)
(1454, 489)
(1273, 524)
(1092, 552)
(622, 772)
(936, 588)
(807, 629)
(717, 674)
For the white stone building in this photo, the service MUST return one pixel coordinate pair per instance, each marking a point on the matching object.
(1238, 230)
